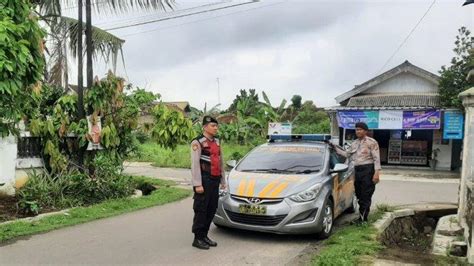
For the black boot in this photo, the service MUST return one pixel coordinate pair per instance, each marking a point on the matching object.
(200, 244)
(210, 242)
(357, 221)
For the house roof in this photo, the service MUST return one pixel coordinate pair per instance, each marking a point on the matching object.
(403, 68)
(401, 100)
(184, 106)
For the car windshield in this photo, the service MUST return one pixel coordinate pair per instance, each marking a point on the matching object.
(289, 159)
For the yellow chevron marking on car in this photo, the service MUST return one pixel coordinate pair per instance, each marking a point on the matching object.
(268, 188)
(276, 192)
(242, 185)
(250, 188)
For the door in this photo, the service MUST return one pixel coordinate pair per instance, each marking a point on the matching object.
(343, 186)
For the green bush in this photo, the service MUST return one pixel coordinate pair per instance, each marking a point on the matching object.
(47, 192)
(43, 191)
(141, 136)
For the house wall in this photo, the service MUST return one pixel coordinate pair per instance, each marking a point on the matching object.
(8, 153)
(403, 83)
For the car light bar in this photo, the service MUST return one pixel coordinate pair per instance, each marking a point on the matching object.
(299, 137)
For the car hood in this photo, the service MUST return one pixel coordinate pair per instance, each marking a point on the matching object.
(268, 185)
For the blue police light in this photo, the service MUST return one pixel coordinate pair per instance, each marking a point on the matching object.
(300, 137)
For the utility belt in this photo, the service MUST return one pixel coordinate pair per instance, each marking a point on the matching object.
(212, 177)
(364, 167)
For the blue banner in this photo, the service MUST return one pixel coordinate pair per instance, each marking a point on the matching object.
(453, 125)
(422, 119)
(348, 119)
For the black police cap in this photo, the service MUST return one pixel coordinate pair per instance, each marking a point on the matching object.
(362, 125)
(208, 119)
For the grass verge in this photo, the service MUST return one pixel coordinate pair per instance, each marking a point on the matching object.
(165, 194)
(180, 157)
(351, 244)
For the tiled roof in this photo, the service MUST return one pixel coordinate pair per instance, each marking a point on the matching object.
(395, 100)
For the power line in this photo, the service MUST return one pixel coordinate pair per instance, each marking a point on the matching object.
(146, 17)
(407, 37)
(201, 20)
(181, 16)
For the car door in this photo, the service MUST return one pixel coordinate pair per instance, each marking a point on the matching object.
(343, 184)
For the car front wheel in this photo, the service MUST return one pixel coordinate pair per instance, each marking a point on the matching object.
(327, 220)
(354, 206)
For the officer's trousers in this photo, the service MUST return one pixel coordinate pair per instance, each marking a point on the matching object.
(364, 188)
(205, 206)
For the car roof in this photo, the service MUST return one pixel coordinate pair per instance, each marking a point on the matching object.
(295, 143)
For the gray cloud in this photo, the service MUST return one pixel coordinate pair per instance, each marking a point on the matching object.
(317, 49)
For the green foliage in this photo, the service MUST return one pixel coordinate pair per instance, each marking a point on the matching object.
(296, 101)
(311, 120)
(453, 78)
(105, 209)
(171, 127)
(118, 106)
(21, 62)
(69, 189)
(349, 244)
(251, 97)
(181, 157)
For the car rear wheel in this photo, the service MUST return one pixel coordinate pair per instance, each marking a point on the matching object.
(327, 220)
(354, 205)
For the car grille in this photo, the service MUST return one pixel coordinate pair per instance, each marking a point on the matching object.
(263, 200)
(262, 220)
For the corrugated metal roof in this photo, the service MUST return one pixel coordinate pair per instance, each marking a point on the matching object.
(398, 100)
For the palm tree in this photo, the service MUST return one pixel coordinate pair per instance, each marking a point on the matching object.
(64, 32)
(97, 41)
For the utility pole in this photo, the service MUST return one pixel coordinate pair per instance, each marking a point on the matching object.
(218, 91)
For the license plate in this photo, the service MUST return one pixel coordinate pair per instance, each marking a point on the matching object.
(252, 209)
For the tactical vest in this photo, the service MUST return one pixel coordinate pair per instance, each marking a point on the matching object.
(210, 160)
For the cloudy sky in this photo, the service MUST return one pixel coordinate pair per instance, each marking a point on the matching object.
(317, 49)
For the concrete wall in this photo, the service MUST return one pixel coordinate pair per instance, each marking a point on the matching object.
(404, 83)
(444, 156)
(8, 153)
(465, 212)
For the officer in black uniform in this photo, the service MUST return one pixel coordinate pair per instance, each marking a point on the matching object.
(208, 174)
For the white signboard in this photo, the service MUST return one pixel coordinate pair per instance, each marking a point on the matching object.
(279, 128)
(390, 119)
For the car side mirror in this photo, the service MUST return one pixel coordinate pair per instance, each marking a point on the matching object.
(231, 163)
(339, 167)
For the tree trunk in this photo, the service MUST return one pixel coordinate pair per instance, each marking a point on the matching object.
(89, 50)
(80, 79)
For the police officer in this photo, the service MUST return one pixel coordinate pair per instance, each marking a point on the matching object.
(365, 154)
(208, 174)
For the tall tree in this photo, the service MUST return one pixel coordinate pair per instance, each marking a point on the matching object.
(453, 78)
(296, 101)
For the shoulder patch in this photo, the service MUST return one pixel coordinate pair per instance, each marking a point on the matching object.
(195, 146)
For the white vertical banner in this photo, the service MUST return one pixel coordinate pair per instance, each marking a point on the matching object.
(389, 119)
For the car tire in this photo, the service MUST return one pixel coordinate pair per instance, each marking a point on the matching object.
(327, 220)
(354, 206)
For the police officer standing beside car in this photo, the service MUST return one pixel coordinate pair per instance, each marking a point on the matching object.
(365, 154)
(208, 175)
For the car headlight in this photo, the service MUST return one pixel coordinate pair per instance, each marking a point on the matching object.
(307, 195)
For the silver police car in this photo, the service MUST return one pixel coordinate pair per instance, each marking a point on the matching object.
(294, 184)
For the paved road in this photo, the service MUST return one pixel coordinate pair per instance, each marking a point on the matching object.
(161, 235)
